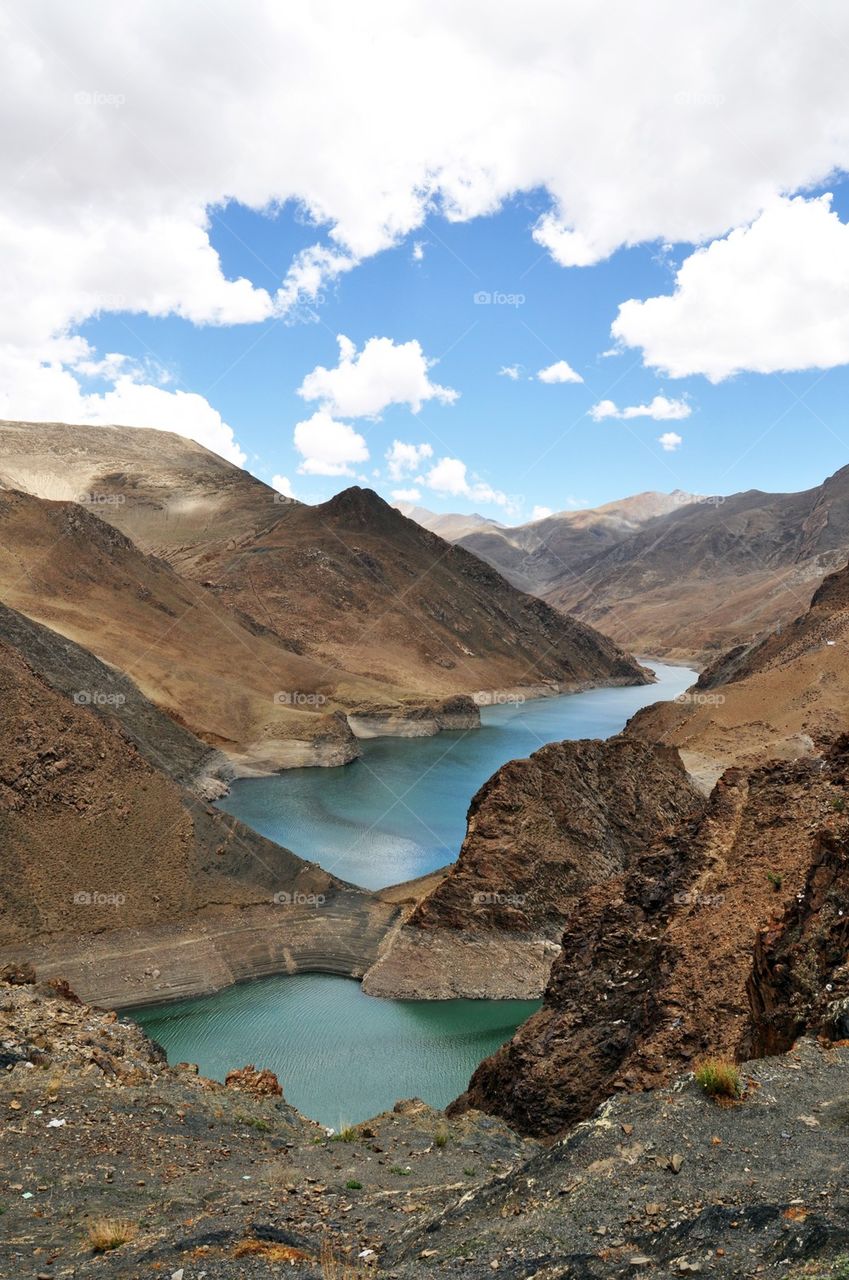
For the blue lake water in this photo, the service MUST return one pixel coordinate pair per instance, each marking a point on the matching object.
(396, 813)
(400, 810)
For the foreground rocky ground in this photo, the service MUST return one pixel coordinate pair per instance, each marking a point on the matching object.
(208, 1181)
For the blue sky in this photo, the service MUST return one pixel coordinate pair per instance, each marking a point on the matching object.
(198, 202)
(536, 442)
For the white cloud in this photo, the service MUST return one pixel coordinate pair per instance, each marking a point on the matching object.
(418, 250)
(509, 371)
(328, 447)
(407, 495)
(365, 383)
(110, 185)
(660, 408)
(283, 485)
(669, 441)
(540, 513)
(449, 477)
(405, 459)
(32, 391)
(771, 296)
(560, 371)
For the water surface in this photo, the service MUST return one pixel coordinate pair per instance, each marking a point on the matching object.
(398, 812)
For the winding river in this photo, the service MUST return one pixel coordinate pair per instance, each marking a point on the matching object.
(396, 813)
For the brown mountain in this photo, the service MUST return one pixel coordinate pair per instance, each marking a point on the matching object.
(540, 555)
(726, 937)
(784, 696)
(714, 574)
(540, 831)
(370, 596)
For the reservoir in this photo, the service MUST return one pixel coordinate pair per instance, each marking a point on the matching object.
(396, 813)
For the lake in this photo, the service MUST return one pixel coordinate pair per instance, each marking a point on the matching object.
(396, 813)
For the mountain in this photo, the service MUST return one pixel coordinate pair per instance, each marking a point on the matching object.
(451, 526)
(725, 937)
(376, 608)
(784, 696)
(714, 574)
(537, 555)
(539, 832)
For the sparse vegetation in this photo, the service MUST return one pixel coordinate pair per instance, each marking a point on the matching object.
(470, 1173)
(261, 1126)
(353, 1185)
(775, 880)
(839, 804)
(719, 1079)
(346, 1134)
(401, 1172)
(336, 1268)
(441, 1139)
(105, 1234)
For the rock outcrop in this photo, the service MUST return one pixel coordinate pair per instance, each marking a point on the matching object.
(667, 962)
(540, 832)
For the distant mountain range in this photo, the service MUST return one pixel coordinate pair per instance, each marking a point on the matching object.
(679, 574)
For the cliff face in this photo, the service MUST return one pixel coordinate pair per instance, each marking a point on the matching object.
(540, 832)
(657, 965)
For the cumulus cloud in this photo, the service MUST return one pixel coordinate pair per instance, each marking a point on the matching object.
(407, 495)
(660, 408)
(365, 383)
(283, 485)
(771, 296)
(669, 441)
(111, 184)
(540, 513)
(560, 371)
(405, 459)
(511, 371)
(449, 477)
(328, 447)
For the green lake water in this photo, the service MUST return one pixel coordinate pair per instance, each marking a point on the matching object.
(396, 813)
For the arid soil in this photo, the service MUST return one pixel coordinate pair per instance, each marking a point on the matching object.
(539, 833)
(779, 698)
(670, 962)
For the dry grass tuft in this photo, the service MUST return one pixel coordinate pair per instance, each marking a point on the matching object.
(105, 1234)
(335, 1268)
(719, 1079)
(270, 1251)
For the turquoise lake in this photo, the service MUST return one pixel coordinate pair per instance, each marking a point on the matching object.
(396, 813)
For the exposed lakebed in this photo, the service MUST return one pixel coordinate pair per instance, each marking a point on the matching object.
(396, 813)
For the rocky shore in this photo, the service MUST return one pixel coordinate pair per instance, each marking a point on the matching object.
(117, 1165)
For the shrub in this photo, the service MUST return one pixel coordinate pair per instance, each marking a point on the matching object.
(441, 1140)
(110, 1233)
(719, 1079)
(353, 1185)
(775, 880)
(348, 1134)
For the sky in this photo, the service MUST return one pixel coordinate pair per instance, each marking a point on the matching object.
(495, 258)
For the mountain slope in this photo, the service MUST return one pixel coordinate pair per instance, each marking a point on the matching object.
(782, 697)
(716, 573)
(350, 583)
